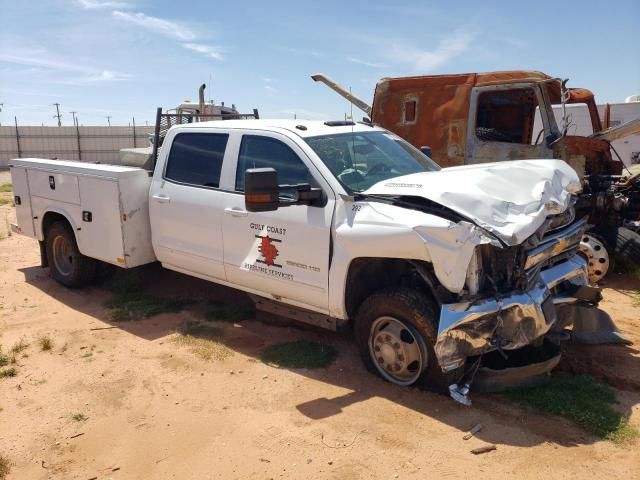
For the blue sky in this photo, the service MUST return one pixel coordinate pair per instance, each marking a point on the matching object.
(124, 58)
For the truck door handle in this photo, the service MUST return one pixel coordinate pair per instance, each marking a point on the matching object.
(161, 198)
(236, 212)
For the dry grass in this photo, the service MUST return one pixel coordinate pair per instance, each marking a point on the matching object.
(5, 467)
(45, 343)
(204, 341)
(19, 346)
(8, 372)
(6, 359)
(79, 417)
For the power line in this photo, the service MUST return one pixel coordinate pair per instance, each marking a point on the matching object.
(57, 115)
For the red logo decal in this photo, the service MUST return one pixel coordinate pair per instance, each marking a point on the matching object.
(268, 250)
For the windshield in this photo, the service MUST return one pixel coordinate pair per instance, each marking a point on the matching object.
(361, 159)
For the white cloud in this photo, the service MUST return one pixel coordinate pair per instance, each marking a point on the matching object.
(38, 57)
(155, 24)
(90, 78)
(268, 86)
(366, 63)
(208, 50)
(429, 60)
(98, 4)
(70, 72)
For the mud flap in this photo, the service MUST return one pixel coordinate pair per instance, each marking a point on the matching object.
(44, 261)
(591, 325)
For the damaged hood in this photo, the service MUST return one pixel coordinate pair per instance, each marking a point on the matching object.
(509, 199)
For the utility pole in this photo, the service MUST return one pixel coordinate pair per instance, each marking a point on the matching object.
(57, 115)
(108, 117)
(1, 105)
(74, 117)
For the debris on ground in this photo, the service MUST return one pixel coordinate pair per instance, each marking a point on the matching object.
(472, 432)
(484, 449)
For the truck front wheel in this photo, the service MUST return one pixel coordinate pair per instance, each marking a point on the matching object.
(395, 331)
(68, 266)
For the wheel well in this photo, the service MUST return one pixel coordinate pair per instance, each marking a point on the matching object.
(49, 219)
(368, 275)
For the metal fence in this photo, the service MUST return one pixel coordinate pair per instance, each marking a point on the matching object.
(91, 144)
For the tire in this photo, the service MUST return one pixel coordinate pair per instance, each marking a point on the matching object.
(392, 328)
(628, 247)
(67, 265)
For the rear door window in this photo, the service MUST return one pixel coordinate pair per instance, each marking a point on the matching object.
(196, 159)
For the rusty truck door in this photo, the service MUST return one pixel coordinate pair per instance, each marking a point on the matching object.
(501, 124)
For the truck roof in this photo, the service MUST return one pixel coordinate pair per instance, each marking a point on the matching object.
(475, 79)
(302, 128)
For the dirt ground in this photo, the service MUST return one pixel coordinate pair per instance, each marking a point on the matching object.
(155, 410)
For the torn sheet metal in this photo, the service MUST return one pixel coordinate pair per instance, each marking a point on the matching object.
(508, 321)
(473, 328)
(509, 199)
(621, 131)
(410, 234)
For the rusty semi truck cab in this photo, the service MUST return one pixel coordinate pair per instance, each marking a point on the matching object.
(484, 117)
(477, 118)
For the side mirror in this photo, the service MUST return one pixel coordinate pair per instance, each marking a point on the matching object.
(551, 139)
(426, 150)
(261, 193)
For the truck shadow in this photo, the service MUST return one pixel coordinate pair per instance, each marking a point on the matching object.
(504, 422)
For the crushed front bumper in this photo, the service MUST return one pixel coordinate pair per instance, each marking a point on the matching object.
(511, 320)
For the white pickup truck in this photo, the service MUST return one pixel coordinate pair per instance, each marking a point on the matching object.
(333, 224)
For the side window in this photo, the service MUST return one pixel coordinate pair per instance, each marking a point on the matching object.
(506, 116)
(410, 109)
(264, 152)
(196, 159)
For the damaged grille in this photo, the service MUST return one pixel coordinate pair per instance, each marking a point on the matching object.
(500, 267)
(517, 267)
(556, 243)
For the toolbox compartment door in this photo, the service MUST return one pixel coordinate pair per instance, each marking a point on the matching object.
(62, 187)
(22, 199)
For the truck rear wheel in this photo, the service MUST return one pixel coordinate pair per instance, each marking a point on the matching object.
(68, 266)
(628, 247)
(395, 332)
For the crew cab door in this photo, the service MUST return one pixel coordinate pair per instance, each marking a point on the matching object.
(185, 204)
(284, 253)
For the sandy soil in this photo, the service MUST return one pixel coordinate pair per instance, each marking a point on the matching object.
(155, 410)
